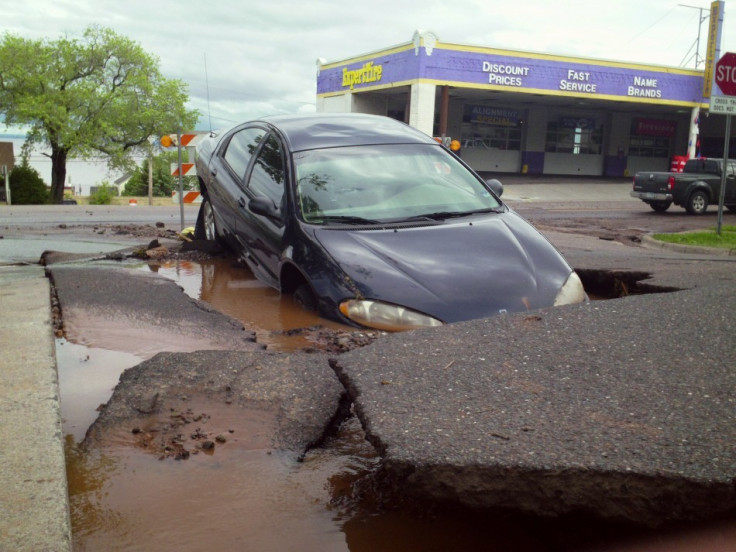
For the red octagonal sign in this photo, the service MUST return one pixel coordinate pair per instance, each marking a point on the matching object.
(726, 74)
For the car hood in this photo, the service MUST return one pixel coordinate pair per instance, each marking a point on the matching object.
(460, 270)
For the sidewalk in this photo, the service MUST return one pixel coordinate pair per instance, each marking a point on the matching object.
(34, 505)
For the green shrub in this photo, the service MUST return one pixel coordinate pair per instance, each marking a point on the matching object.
(102, 195)
(27, 186)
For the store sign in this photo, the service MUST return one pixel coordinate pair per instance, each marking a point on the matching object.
(505, 74)
(497, 70)
(369, 73)
(486, 115)
(654, 127)
(715, 28)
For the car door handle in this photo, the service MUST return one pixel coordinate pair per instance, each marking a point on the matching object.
(241, 203)
(213, 172)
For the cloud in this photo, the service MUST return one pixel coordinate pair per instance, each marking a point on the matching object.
(260, 55)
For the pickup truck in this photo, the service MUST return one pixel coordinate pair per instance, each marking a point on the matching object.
(696, 187)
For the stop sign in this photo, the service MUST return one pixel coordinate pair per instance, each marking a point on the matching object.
(726, 74)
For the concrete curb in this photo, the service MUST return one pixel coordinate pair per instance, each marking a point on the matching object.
(648, 241)
(34, 503)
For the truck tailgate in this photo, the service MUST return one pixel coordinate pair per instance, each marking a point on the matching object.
(655, 182)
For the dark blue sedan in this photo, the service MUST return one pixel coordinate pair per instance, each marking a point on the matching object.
(373, 223)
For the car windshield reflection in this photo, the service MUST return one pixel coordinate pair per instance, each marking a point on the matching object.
(386, 183)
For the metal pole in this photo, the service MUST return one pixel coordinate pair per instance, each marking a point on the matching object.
(701, 18)
(181, 179)
(724, 171)
(150, 175)
(7, 185)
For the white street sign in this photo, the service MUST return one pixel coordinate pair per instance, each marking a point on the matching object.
(723, 104)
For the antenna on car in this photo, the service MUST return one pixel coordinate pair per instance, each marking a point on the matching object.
(207, 87)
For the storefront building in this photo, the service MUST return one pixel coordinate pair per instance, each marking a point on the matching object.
(517, 112)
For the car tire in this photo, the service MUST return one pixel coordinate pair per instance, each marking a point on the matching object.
(206, 228)
(697, 203)
(731, 208)
(660, 206)
(304, 297)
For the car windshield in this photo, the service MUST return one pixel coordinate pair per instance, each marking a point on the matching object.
(386, 183)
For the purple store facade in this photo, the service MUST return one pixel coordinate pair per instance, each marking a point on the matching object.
(518, 112)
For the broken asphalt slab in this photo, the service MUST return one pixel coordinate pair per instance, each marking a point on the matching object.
(299, 391)
(140, 312)
(624, 409)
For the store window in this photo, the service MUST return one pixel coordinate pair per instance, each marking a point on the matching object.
(575, 135)
(488, 127)
(651, 137)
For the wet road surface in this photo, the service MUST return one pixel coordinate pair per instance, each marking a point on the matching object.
(362, 529)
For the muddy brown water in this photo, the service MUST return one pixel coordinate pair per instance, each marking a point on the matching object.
(246, 497)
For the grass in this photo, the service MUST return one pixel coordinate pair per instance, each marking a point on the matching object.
(704, 238)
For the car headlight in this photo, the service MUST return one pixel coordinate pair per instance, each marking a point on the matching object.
(571, 291)
(385, 316)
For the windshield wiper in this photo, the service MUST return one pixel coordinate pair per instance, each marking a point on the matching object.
(344, 219)
(441, 215)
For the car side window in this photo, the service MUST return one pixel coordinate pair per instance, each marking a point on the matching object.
(267, 178)
(241, 148)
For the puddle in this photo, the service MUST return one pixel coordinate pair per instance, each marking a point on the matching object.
(233, 290)
(240, 497)
(87, 377)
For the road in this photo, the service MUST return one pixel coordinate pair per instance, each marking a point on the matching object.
(627, 405)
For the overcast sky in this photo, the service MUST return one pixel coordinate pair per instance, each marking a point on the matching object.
(260, 56)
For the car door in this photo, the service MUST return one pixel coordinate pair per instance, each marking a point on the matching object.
(730, 197)
(264, 235)
(229, 169)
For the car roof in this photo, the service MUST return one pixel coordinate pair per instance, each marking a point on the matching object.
(328, 130)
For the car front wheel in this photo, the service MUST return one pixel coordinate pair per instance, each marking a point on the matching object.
(206, 228)
(697, 204)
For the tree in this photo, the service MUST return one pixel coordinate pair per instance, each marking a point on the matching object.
(26, 185)
(163, 182)
(98, 96)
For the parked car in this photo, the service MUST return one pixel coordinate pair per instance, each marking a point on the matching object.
(373, 223)
(697, 186)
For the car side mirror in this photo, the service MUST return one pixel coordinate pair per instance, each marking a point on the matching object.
(265, 207)
(495, 186)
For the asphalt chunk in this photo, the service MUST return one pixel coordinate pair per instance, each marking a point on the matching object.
(635, 420)
(141, 313)
(175, 394)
